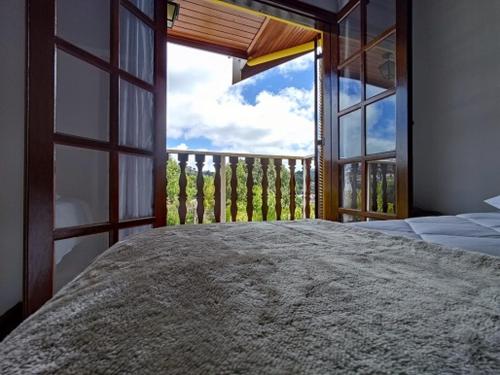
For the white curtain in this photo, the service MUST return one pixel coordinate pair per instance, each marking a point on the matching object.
(136, 117)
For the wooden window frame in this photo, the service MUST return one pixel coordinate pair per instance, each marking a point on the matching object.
(403, 151)
(40, 234)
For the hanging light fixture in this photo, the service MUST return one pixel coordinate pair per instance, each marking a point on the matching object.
(388, 68)
(172, 13)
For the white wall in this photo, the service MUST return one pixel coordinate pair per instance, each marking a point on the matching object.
(456, 75)
(12, 43)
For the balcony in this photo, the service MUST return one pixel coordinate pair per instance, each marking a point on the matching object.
(216, 187)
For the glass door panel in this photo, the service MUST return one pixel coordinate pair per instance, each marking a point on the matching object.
(86, 24)
(381, 16)
(127, 232)
(350, 85)
(136, 187)
(136, 116)
(350, 34)
(81, 186)
(73, 255)
(382, 186)
(381, 67)
(97, 104)
(136, 46)
(350, 135)
(145, 6)
(371, 167)
(351, 186)
(81, 98)
(381, 126)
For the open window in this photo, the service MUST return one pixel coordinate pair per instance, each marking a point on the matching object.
(370, 137)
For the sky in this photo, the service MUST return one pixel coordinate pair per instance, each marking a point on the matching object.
(271, 113)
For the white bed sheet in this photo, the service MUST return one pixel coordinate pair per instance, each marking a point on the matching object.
(475, 232)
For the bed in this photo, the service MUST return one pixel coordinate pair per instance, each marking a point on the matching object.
(282, 298)
(475, 232)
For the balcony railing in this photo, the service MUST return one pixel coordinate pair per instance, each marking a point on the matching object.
(205, 186)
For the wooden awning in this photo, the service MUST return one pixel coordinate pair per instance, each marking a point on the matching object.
(225, 28)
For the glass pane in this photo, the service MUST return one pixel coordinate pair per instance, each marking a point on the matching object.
(86, 24)
(350, 218)
(146, 6)
(350, 34)
(73, 255)
(136, 187)
(350, 135)
(350, 85)
(381, 15)
(381, 67)
(382, 186)
(136, 46)
(136, 116)
(127, 232)
(381, 126)
(82, 98)
(81, 186)
(341, 4)
(351, 186)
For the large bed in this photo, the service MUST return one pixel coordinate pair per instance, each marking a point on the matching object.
(281, 298)
(474, 232)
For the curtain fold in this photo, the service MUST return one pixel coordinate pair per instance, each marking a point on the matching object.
(136, 118)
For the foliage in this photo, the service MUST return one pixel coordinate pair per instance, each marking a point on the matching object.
(173, 174)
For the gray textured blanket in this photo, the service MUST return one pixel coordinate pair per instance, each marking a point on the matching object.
(303, 297)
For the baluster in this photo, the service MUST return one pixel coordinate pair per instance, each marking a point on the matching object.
(166, 186)
(307, 187)
(374, 168)
(217, 183)
(183, 158)
(277, 165)
(265, 184)
(385, 206)
(233, 161)
(354, 185)
(249, 162)
(291, 163)
(200, 196)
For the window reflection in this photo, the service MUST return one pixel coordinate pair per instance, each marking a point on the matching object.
(350, 135)
(350, 85)
(350, 218)
(381, 16)
(351, 186)
(350, 34)
(381, 67)
(382, 186)
(381, 126)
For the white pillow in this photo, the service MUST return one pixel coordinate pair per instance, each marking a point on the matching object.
(495, 201)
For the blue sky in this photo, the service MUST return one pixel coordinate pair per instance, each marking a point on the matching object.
(271, 113)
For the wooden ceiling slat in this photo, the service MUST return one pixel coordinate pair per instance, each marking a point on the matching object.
(279, 36)
(204, 21)
(248, 33)
(226, 9)
(213, 32)
(220, 15)
(187, 14)
(210, 39)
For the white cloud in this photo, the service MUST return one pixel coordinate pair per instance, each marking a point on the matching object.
(203, 103)
(299, 64)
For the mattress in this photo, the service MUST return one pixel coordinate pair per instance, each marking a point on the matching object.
(474, 232)
(307, 297)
